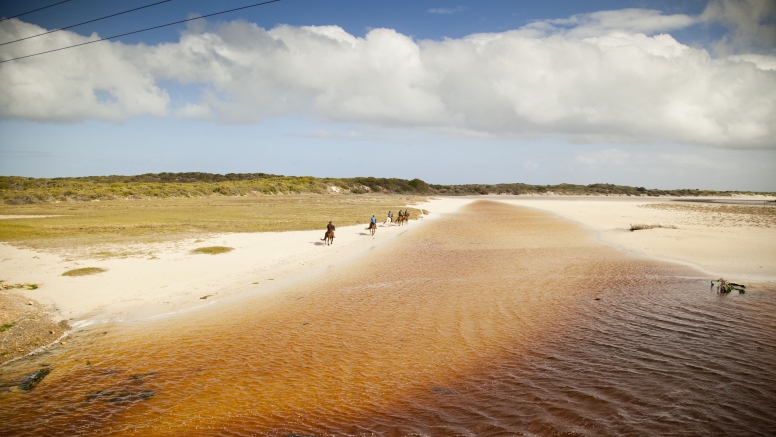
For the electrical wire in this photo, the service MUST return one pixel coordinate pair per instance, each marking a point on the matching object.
(34, 10)
(141, 30)
(85, 22)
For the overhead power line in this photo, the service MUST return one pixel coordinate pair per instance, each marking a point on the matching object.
(34, 10)
(85, 22)
(141, 30)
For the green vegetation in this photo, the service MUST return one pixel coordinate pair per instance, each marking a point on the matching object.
(7, 326)
(26, 286)
(109, 213)
(213, 250)
(21, 191)
(84, 271)
(109, 228)
(17, 190)
(576, 190)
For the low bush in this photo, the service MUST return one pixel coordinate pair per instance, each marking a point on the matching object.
(85, 271)
(213, 250)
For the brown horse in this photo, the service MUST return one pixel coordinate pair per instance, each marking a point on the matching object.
(402, 219)
(329, 237)
(372, 228)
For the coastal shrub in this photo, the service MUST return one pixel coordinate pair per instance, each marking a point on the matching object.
(213, 250)
(84, 271)
(22, 190)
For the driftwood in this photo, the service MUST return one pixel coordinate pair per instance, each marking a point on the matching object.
(726, 287)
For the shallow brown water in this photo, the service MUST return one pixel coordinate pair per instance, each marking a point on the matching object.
(480, 323)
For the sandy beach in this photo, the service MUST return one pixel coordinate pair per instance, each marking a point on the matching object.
(715, 238)
(494, 318)
(174, 280)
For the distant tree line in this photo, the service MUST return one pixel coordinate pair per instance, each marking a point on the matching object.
(23, 190)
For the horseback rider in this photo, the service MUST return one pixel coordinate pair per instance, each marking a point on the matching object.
(329, 228)
(374, 220)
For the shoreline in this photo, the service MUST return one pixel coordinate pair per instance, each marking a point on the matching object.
(705, 239)
(175, 281)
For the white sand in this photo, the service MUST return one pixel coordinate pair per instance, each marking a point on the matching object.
(734, 251)
(173, 282)
(142, 288)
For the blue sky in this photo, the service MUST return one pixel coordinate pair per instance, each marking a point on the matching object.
(664, 94)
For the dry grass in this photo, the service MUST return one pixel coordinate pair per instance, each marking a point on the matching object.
(639, 227)
(721, 215)
(84, 271)
(213, 250)
(106, 229)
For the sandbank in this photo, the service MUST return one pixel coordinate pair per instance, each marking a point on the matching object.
(706, 236)
(174, 280)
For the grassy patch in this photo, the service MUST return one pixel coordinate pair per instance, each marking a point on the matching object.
(213, 250)
(111, 227)
(84, 271)
(639, 227)
(7, 326)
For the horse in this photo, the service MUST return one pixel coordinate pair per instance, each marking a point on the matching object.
(388, 220)
(329, 237)
(402, 219)
(372, 228)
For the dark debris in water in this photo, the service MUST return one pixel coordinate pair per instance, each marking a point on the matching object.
(444, 391)
(34, 379)
(141, 376)
(120, 396)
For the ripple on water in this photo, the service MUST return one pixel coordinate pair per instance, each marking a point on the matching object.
(484, 322)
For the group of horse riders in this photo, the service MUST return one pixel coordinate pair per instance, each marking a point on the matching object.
(406, 213)
(403, 216)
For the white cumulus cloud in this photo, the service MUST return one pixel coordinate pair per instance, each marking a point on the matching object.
(66, 86)
(611, 76)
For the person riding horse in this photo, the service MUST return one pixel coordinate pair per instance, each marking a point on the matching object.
(372, 225)
(329, 228)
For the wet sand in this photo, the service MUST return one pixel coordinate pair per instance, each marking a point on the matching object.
(493, 320)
